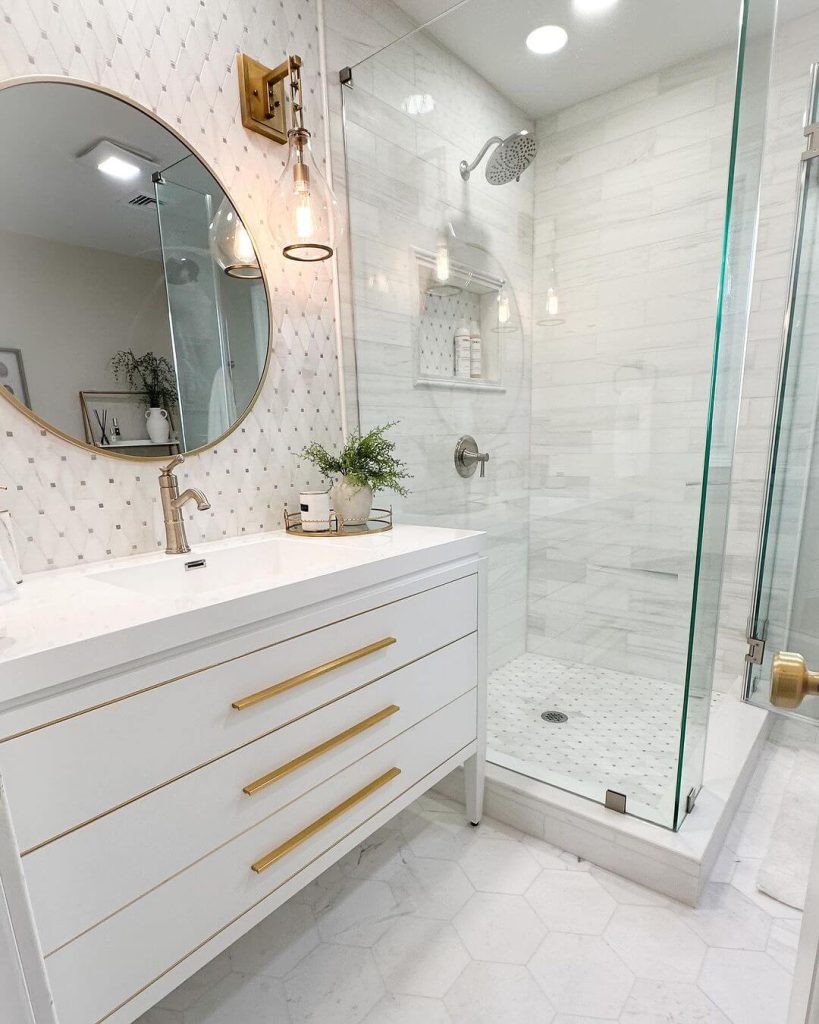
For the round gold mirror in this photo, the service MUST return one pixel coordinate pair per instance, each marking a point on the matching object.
(135, 313)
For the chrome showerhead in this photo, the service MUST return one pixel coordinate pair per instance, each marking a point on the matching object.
(510, 159)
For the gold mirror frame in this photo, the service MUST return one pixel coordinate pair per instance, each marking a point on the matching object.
(55, 431)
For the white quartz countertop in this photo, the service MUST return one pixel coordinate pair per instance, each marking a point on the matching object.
(77, 622)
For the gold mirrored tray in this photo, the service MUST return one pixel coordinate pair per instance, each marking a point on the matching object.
(379, 522)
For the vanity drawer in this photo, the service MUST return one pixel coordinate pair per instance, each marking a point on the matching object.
(68, 773)
(133, 948)
(77, 881)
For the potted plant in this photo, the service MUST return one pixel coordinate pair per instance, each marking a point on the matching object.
(153, 375)
(364, 465)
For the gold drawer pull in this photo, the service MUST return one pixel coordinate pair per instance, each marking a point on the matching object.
(322, 748)
(313, 673)
(323, 821)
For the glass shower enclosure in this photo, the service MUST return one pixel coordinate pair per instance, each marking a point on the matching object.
(568, 306)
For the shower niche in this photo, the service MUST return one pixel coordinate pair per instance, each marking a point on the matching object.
(454, 299)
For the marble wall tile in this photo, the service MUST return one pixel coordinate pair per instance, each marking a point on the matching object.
(178, 59)
(623, 213)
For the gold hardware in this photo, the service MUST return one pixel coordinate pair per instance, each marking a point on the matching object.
(791, 680)
(311, 830)
(313, 673)
(322, 748)
(261, 90)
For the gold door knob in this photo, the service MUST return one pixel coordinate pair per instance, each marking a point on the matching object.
(791, 680)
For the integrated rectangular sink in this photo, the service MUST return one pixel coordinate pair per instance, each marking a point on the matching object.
(254, 566)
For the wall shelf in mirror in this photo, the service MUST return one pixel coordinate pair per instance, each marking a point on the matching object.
(456, 299)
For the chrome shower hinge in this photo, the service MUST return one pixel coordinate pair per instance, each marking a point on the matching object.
(616, 801)
(756, 651)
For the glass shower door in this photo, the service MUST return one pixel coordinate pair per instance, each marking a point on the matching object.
(207, 405)
(784, 620)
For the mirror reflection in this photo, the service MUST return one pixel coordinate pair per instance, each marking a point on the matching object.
(135, 314)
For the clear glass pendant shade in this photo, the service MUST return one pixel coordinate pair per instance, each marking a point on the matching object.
(303, 209)
(230, 244)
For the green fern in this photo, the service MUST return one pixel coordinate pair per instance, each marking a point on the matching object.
(367, 461)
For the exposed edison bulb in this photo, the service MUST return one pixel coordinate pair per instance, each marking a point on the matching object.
(552, 302)
(303, 207)
(442, 261)
(244, 247)
(305, 222)
(504, 310)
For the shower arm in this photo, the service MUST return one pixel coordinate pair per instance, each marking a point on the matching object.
(466, 169)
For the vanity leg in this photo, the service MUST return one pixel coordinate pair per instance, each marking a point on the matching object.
(474, 777)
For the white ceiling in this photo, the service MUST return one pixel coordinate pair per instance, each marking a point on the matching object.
(632, 39)
(47, 192)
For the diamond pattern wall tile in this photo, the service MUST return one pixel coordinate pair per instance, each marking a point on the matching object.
(178, 59)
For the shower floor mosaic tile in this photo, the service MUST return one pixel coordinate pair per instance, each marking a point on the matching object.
(621, 732)
(432, 921)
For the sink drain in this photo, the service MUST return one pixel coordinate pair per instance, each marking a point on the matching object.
(554, 716)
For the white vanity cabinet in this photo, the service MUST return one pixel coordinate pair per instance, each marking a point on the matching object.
(156, 808)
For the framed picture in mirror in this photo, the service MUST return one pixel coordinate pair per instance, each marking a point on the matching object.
(13, 375)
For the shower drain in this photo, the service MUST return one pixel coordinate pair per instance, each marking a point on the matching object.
(554, 716)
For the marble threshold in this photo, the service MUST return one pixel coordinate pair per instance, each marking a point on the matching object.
(676, 864)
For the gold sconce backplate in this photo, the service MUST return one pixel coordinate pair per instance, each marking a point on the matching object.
(262, 90)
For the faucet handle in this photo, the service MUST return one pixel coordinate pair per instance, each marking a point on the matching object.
(175, 461)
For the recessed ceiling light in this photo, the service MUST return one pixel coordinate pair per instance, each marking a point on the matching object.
(116, 167)
(117, 161)
(547, 39)
(592, 6)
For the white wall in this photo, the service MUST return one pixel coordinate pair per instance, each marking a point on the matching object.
(70, 309)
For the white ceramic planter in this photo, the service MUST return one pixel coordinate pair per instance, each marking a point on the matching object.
(351, 503)
(159, 426)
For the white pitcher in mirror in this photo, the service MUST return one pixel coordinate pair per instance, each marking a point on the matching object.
(159, 425)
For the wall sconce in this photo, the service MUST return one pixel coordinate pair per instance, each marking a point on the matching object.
(303, 209)
(231, 246)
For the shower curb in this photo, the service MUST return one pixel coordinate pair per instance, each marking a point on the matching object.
(676, 864)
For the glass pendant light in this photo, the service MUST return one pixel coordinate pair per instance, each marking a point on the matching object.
(230, 244)
(303, 209)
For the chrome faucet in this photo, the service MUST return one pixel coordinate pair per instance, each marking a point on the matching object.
(172, 502)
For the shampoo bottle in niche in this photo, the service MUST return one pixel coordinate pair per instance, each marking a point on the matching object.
(462, 351)
(8, 545)
(475, 361)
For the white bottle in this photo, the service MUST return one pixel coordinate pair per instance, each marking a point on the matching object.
(475, 350)
(463, 347)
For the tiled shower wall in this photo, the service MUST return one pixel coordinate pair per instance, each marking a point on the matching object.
(629, 213)
(405, 188)
(178, 59)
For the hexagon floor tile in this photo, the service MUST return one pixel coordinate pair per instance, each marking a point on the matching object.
(433, 922)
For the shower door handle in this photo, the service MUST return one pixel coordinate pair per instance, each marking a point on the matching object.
(791, 680)
(468, 457)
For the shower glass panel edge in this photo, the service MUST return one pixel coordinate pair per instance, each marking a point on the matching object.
(754, 59)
